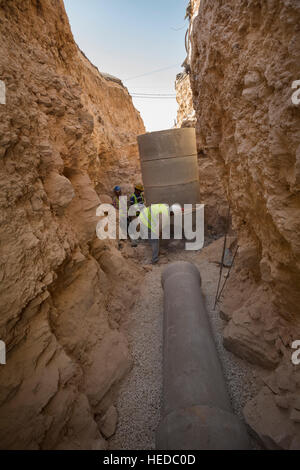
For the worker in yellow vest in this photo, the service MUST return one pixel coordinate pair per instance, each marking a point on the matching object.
(137, 197)
(151, 225)
(123, 216)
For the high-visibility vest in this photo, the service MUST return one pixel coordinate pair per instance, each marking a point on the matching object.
(154, 210)
(137, 200)
(116, 204)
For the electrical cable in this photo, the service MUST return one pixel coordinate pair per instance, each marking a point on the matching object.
(171, 95)
(150, 73)
(154, 97)
(222, 259)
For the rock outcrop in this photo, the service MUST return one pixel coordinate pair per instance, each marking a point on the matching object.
(211, 190)
(245, 57)
(67, 134)
(186, 116)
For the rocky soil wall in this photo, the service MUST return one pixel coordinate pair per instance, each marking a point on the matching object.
(67, 135)
(211, 190)
(245, 57)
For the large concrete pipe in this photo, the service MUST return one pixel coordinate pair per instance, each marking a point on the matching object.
(196, 409)
(169, 166)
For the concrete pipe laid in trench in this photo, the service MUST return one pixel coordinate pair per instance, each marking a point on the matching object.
(196, 409)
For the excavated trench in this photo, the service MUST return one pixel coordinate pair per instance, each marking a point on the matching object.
(140, 395)
(68, 134)
(170, 173)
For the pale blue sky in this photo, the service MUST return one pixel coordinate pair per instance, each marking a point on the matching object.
(128, 38)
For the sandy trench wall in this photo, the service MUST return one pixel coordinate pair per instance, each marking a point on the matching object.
(64, 132)
(212, 193)
(245, 57)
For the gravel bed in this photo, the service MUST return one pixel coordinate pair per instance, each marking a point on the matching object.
(140, 393)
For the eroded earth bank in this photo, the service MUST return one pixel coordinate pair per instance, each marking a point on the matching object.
(68, 134)
(244, 58)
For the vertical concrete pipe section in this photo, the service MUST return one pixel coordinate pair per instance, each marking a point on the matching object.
(169, 166)
(196, 410)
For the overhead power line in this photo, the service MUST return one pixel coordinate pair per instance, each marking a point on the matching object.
(178, 29)
(150, 73)
(154, 97)
(169, 95)
(152, 93)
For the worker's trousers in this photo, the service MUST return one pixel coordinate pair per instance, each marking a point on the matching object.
(155, 249)
(154, 243)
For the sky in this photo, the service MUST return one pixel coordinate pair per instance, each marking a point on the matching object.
(130, 38)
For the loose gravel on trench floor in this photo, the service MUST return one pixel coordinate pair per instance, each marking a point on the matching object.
(140, 393)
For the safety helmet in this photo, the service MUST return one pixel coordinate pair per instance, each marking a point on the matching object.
(139, 187)
(117, 188)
